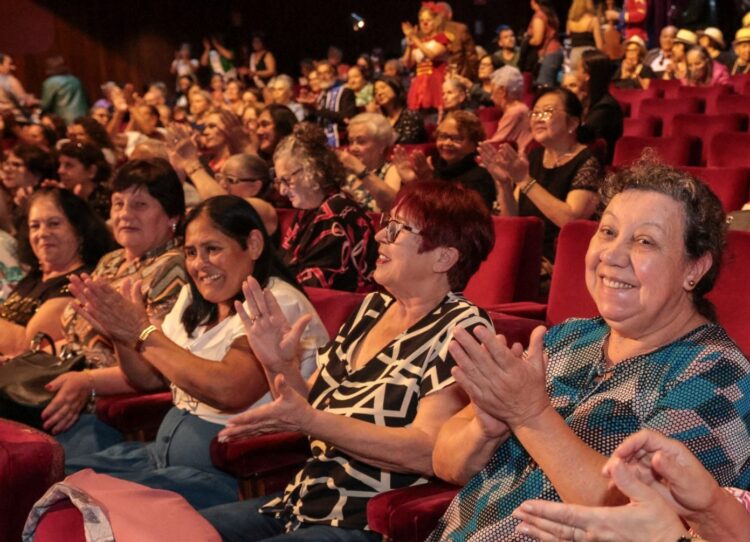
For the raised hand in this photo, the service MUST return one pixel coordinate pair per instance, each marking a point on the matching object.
(288, 412)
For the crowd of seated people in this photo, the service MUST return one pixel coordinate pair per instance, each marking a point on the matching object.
(171, 236)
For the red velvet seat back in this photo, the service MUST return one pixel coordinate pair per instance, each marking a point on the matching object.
(666, 109)
(511, 271)
(667, 88)
(730, 104)
(641, 127)
(62, 521)
(705, 127)
(675, 151)
(568, 296)
(708, 95)
(633, 97)
(729, 150)
(333, 306)
(731, 294)
(730, 184)
(30, 462)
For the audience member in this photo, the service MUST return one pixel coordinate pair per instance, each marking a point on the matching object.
(334, 106)
(632, 72)
(390, 100)
(62, 93)
(183, 64)
(13, 96)
(543, 43)
(84, 171)
(356, 80)
(507, 91)
(741, 45)
(281, 92)
(508, 53)
(659, 58)
(584, 30)
(677, 67)
(712, 40)
(262, 62)
(462, 53)
(702, 70)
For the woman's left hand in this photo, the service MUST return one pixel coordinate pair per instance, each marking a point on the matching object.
(514, 163)
(122, 316)
(71, 391)
(501, 380)
(288, 412)
(647, 517)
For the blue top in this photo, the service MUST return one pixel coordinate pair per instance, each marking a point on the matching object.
(695, 389)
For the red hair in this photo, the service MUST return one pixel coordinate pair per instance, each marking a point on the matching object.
(449, 215)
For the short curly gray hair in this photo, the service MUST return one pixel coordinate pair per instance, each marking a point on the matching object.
(378, 127)
(510, 79)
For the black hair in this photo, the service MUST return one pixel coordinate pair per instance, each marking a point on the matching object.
(397, 87)
(95, 131)
(599, 69)
(283, 118)
(39, 162)
(236, 218)
(159, 179)
(93, 235)
(89, 155)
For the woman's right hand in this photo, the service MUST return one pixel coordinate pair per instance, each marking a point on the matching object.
(273, 340)
(72, 390)
(402, 161)
(489, 159)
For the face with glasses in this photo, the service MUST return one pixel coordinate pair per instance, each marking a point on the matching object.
(452, 144)
(16, 174)
(237, 181)
(293, 182)
(214, 133)
(549, 122)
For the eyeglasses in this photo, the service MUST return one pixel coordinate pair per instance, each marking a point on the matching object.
(286, 182)
(229, 179)
(542, 114)
(393, 227)
(457, 139)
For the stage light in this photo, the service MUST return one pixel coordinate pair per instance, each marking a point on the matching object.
(358, 22)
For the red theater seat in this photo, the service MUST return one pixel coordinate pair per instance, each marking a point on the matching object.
(729, 150)
(730, 184)
(665, 110)
(705, 127)
(641, 127)
(633, 97)
(511, 271)
(731, 104)
(708, 95)
(30, 462)
(136, 415)
(676, 151)
(667, 88)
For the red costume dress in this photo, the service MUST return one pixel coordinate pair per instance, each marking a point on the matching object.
(426, 90)
(635, 18)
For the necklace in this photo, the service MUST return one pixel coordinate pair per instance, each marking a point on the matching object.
(552, 162)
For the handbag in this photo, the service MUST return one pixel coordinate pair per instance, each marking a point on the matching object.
(24, 377)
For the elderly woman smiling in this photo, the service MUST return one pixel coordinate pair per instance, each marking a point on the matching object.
(372, 179)
(383, 386)
(587, 384)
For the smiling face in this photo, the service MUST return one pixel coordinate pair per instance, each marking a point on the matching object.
(217, 263)
(384, 94)
(52, 237)
(294, 183)
(76, 132)
(16, 174)
(697, 65)
(72, 172)
(637, 270)
(666, 38)
(354, 79)
(101, 115)
(139, 222)
(400, 263)
(364, 146)
(214, 133)
(266, 132)
(452, 145)
(326, 75)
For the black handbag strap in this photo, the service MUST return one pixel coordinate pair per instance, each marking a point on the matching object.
(39, 338)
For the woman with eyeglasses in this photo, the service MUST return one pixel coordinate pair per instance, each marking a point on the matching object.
(383, 386)
(330, 243)
(457, 137)
(559, 179)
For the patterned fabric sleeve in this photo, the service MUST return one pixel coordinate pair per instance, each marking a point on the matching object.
(164, 285)
(410, 128)
(588, 176)
(705, 408)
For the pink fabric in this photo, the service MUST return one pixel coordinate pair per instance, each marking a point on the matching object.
(138, 513)
(514, 125)
(719, 75)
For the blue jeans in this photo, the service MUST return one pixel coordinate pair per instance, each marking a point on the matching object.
(241, 522)
(550, 65)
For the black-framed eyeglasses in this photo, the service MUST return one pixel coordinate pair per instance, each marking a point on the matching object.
(287, 181)
(230, 179)
(393, 227)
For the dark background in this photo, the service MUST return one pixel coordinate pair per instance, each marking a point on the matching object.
(135, 41)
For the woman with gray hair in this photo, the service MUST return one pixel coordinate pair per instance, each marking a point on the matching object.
(507, 91)
(371, 179)
(281, 91)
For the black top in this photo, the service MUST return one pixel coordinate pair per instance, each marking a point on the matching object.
(410, 128)
(582, 39)
(471, 175)
(31, 293)
(583, 172)
(645, 73)
(605, 119)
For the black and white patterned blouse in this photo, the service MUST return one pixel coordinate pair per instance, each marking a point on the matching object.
(333, 488)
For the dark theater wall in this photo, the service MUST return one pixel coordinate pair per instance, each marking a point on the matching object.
(135, 40)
